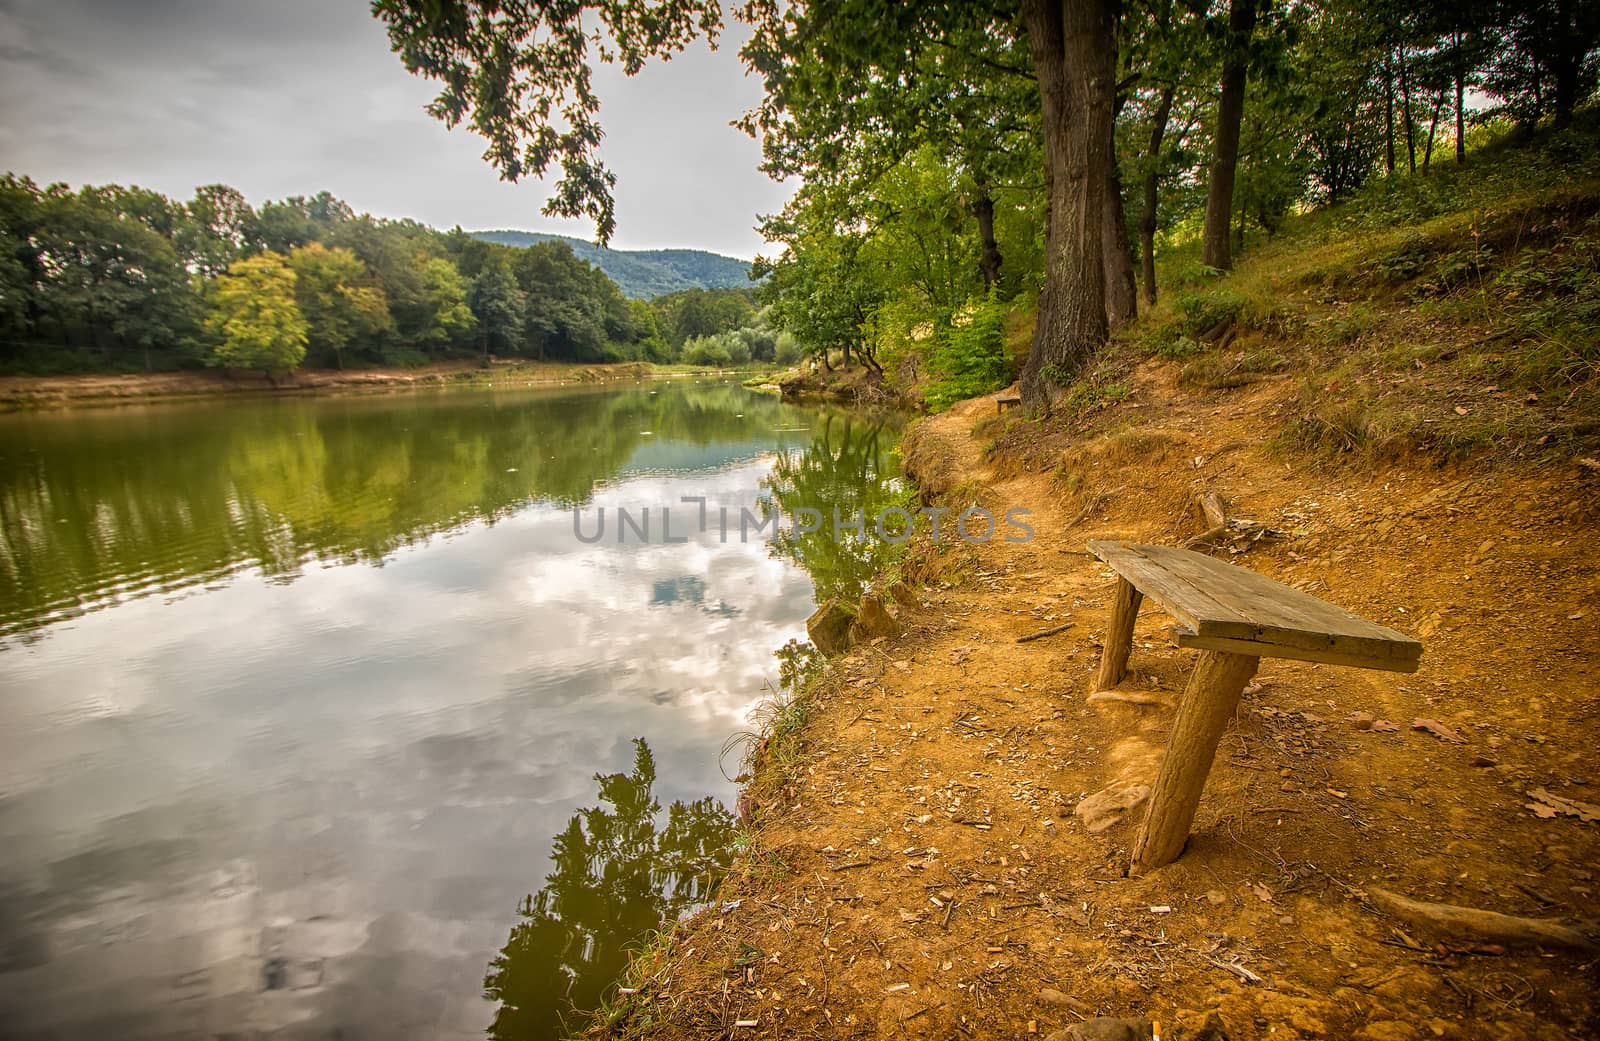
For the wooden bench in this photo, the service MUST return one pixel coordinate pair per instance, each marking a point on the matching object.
(1005, 401)
(1234, 617)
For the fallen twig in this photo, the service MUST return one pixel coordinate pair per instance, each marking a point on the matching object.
(1042, 633)
(1237, 969)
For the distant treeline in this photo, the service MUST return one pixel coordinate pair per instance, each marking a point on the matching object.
(114, 279)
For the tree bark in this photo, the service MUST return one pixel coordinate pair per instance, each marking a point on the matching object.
(1388, 115)
(1225, 156)
(1427, 153)
(1122, 290)
(1461, 111)
(1405, 102)
(1074, 51)
(1152, 184)
(989, 258)
(1567, 65)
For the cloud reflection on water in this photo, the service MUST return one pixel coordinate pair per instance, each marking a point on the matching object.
(295, 807)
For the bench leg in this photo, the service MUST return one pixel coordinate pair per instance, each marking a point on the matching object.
(1119, 636)
(1208, 703)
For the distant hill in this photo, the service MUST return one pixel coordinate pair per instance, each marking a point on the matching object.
(643, 273)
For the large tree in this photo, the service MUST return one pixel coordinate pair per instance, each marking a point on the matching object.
(255, 318)
(339, 298)
(498, 305)
(1074, 47)
(521, 73)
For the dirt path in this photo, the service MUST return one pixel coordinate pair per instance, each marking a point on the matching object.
(927, 876)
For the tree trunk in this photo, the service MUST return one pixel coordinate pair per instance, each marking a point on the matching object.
(1244, 209)
(1388, 115)
(989, 258)
(1427, 153)
(1405, 102)
(1122, 290)
(1461, 111)
(1152, 182)
(1074, 53)
(1568, 64)
(1225, 157)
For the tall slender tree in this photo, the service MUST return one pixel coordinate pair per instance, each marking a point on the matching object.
(1225, 138)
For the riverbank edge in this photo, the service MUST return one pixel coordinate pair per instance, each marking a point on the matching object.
(782, 719)
(45, 393)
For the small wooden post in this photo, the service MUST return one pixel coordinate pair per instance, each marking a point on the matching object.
(1119, 636)
(1208, 703)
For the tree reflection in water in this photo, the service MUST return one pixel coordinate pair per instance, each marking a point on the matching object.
(849, 467)
(620, 873)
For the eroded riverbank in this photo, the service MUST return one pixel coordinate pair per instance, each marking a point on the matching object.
(916, 867)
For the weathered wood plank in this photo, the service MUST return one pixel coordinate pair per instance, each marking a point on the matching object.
(1184, 602)
(1278, 650)
(1261, 600)
(1217, 601)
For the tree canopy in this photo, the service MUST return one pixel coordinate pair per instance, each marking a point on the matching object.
(904, 121)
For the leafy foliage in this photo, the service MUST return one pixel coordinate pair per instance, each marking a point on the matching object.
(968, 357)
(519, 74)
(255, 317)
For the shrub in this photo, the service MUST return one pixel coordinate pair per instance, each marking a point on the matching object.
(788, 350)
(968, 357)
(706, 350)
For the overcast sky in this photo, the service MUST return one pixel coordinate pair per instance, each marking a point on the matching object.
(289, 97)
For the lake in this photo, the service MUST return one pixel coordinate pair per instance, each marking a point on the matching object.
(299, 697)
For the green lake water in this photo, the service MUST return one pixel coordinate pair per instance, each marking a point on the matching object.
(302, 700)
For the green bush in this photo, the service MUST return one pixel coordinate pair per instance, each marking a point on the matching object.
(788, 350)
(1202, 312)
(969, 358)
(706, 350)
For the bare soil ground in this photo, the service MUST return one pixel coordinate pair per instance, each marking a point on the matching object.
(924, 875)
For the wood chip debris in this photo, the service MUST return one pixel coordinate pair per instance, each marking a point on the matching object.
(1438, 730)
(1547, 805)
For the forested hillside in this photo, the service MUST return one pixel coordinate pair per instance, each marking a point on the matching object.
(123, 279)
(642, 274)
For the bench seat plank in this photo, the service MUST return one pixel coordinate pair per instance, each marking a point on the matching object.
(1228, 608)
